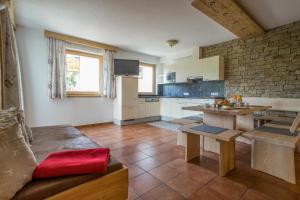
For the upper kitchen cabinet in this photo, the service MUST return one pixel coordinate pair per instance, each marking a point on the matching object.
(211, 68)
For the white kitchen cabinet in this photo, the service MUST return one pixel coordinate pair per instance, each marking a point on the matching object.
(128, 108)
(141, 110)
(211, 68)
(148, 109)
(126, 101)
(171, 108)
(152, 109)
(129, 112)
(175, 108)
(165, 107)
(129, 91)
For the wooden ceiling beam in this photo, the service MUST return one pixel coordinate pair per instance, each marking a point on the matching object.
(79, 41)
(231, 16)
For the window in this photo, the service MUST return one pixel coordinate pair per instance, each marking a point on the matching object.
(84, 73)
(146, 79)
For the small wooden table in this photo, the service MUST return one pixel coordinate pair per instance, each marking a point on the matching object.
(225, 140)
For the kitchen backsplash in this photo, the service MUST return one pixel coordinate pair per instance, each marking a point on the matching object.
(199, 89)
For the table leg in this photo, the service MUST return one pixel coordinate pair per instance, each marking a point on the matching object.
(226, 157)
(192, 149)
(223, 121)
(245, 122)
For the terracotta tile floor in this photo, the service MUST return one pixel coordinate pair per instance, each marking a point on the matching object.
(157, 169)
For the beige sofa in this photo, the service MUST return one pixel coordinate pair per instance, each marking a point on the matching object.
(112, 185)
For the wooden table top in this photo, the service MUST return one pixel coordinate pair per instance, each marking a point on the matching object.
(226, 136)
(230, 111)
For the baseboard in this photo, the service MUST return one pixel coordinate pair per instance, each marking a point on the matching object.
(96, 124)
(165, 118)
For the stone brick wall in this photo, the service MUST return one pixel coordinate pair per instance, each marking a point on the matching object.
(263, 66)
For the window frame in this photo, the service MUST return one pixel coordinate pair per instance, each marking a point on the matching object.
(87, 93)
(154, 79)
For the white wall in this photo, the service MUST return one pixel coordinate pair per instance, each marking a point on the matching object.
(40, 110)
(283, 104)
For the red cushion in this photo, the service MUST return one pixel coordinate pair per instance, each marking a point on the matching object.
(75, 162)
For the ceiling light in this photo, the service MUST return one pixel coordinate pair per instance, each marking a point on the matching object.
(172, 42)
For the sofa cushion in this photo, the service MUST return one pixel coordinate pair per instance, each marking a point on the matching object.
(41, 189)
(17, 160)
(59, 138)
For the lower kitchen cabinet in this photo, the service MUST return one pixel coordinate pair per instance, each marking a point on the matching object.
(129, 112)
(141, 110)
(171, 108)
(148, 109)
(152, 109)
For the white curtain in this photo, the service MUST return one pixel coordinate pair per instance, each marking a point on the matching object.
(109, 83)
(12, 95)
(57, 68)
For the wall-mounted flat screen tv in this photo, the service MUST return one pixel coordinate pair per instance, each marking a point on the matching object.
(126, 67)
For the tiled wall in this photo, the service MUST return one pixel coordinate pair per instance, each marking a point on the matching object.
(199, 89)
(264, 66)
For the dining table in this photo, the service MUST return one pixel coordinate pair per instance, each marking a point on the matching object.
(233, 118)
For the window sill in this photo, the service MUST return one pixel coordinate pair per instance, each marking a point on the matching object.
(84, 94)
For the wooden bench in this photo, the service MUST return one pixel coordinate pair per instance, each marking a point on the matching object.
(275, 153)
(181, 138)
(225, 140)
(270, 116)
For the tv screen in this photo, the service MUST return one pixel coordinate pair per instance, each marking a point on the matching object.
(126, 67)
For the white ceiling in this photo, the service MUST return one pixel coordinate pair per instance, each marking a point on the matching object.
(144, 25)
(272, 13)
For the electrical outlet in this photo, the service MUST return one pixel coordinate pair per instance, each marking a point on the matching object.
(214, 94)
